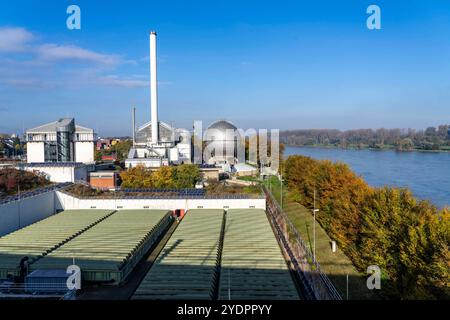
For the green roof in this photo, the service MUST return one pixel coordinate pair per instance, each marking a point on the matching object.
(187, 267)
(110, 250)
(41, 238)
(253, 266)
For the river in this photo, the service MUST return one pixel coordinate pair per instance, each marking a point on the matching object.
(427, 174)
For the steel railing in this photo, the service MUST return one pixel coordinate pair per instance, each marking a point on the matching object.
(32, 193)
(57, 290)
(316, 283)
(113, 196)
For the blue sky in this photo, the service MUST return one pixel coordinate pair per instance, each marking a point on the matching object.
(260, 64)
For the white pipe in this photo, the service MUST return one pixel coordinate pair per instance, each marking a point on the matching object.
(153, 88)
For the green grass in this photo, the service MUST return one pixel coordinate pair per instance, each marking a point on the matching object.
(335, 265)
(248, 178)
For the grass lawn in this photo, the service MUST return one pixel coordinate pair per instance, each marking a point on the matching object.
(248, 178)
(336, 265)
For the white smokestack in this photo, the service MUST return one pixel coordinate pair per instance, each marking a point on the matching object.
(153, 88)
(133, 118)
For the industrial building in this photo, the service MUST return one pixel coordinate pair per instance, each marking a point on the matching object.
(157, 143)
(223, 144)
(104, 179)
(109, 250)
(62, 151)
(60, 171)
(210, 254)
(60, 141)
(163, 244)
(147, 244)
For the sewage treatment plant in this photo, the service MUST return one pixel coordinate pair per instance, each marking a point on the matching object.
(209, 248)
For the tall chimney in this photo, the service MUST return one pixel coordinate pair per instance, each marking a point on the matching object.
(153, 88)
(133, 115)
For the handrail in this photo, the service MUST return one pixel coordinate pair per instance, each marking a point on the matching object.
(32, 193)
(296, 247)
(162, 196)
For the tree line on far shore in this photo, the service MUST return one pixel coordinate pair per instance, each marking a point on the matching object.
(407, 238)
(431, 138)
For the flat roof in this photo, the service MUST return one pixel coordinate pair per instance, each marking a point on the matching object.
(109, 250)
(52, 164)
(40, 238)
(253, 266)
(188, 265)
(98, 173)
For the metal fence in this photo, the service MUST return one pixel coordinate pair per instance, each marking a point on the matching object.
(50, 290)
(32, 193)
(126, 196)
(315, 282)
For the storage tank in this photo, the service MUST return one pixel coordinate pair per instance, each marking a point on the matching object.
(222, 142)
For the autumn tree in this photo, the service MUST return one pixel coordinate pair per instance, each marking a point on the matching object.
(120, 149)
(163, 178)
(11, 180)
(186, 176)
(408, 239)
(137, 177)
(166, 177)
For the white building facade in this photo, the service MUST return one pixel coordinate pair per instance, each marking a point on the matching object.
(59, 172)
(60, 141)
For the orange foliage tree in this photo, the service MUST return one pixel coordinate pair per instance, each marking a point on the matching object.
(408, 239)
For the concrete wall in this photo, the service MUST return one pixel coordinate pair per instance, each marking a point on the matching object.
(35, 152)
(18, 214)
(84, 151)
(210, 174)
(62, 174)
(66, 202)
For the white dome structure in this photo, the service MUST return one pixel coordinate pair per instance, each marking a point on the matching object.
(223, 143)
